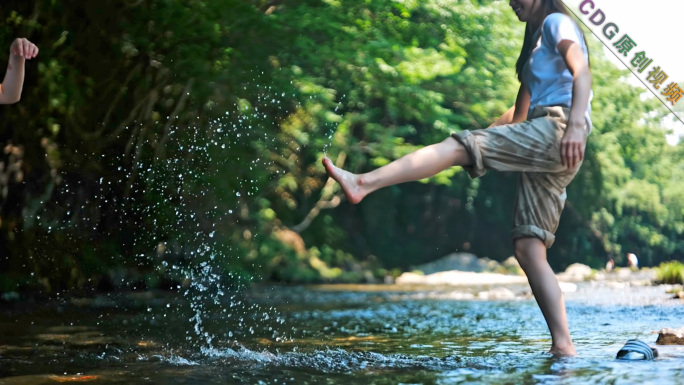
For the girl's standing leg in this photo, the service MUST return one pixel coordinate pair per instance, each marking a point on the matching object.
(531, 254)
(422, 163)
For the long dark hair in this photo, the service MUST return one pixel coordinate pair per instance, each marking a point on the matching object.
(550, 6)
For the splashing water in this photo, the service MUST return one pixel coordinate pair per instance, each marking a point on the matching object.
(331, 130)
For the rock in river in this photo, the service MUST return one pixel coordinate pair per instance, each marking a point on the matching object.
(671, 337)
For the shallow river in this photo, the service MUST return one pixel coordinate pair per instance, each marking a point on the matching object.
(336, 335)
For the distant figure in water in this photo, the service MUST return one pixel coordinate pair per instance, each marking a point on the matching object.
(610, 265)
(10, 89)
(632, 261)
(542, 136)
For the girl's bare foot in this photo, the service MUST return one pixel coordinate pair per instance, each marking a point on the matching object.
(352, 185)
(567, 351)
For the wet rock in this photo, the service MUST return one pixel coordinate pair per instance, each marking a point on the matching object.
(409, 278)
(460, 262)
(459, 278)
(617, 284)
(671, 337)
(576, 272)
(567, 287)
(492, 266)
(512, 266)
(498, 293)
(623, 273)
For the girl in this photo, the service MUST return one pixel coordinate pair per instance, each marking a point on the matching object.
(542, 136)
(10, 89)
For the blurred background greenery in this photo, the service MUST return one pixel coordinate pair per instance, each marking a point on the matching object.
(155, 134)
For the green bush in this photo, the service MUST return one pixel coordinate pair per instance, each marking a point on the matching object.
(670, 272)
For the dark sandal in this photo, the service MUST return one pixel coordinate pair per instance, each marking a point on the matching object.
(636, 350)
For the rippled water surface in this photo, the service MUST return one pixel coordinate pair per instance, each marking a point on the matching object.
(336, 335)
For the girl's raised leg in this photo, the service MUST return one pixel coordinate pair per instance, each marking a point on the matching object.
(417, 165)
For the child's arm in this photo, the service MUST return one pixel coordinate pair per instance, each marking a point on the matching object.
(10, 89)
(574, 139)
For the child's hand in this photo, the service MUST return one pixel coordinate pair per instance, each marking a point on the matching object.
(23, 48)
(572, 145)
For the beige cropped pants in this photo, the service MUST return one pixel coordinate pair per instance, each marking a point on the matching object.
(533, 149)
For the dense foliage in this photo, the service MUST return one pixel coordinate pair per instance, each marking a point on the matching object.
(155, 136)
